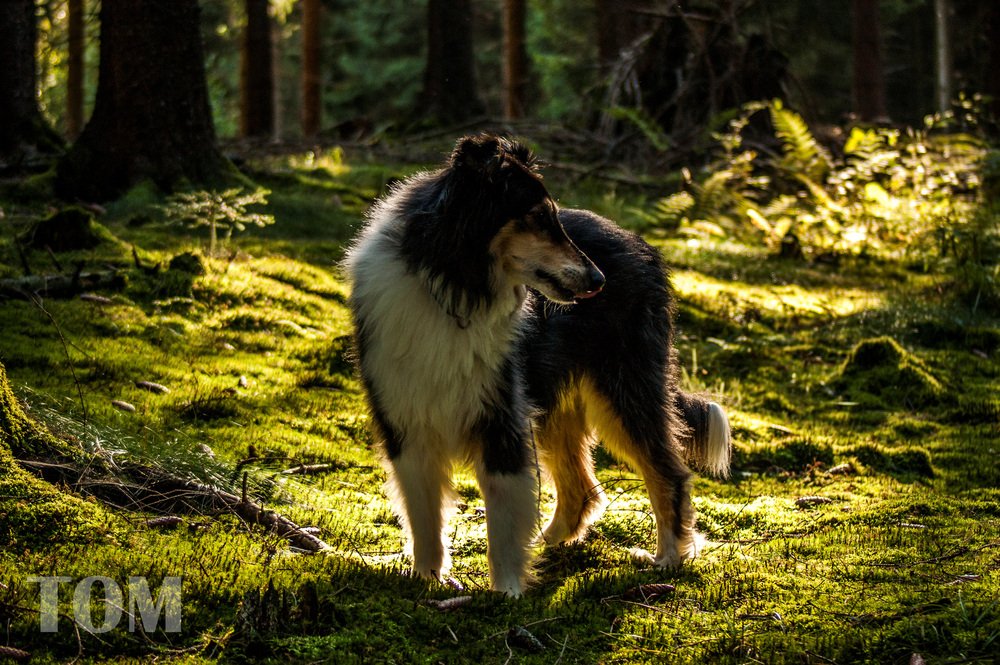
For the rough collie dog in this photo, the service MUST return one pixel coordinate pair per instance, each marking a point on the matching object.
(488, 322)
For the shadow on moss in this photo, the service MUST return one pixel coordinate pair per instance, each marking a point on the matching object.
(793, 454)
(881, 373)
(909, 461)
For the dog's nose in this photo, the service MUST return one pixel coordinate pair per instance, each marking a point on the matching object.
(596, 279)
(595, 282)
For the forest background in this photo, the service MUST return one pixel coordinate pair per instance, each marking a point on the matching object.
(178, 181)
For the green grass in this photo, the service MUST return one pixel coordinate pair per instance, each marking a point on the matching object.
(866, 364)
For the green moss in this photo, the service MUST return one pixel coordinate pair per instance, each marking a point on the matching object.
(256, 353)
(880, 368)
(192, 263)
(33, 513)
(975, 409)
(795, 454)
(26, 439)
(908, 460)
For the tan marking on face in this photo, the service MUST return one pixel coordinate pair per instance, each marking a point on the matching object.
(521, 248)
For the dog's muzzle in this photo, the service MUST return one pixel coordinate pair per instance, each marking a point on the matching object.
(595, 282)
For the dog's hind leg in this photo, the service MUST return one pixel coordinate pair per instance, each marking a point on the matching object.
(669, 486)
(420, 487)
(635, 429)
(565, 446)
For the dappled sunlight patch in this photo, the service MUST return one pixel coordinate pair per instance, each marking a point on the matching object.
(760, 516)
(773, 303)
(303, 277)
(748, 429)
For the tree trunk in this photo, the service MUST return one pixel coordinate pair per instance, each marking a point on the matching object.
(277, 103)
(515, 72)
(256, 73)
(944, 69)
(619, 23)
(311, 103)
(993, 58)
(449, 93)
(151, 119)
(74, 70)
(23, 132)
(868, 78)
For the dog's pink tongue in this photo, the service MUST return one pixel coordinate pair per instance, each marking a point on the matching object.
(588, 294)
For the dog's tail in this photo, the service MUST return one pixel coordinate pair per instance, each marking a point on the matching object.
(707, 444)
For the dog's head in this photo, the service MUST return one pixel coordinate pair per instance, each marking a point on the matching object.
(527, 244)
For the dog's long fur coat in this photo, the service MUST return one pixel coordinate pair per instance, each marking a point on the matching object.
(484, 315)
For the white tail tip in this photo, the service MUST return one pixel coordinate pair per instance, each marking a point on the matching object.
(718, 452)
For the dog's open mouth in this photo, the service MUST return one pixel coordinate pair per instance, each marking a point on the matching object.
(588, 294)
(558, 292)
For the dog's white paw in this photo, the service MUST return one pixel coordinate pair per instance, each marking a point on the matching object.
(671, 558)
(512, 588)
(666, 560)
(555, 534)
(428, 574)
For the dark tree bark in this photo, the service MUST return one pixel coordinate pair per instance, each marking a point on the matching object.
(868, 88)
(74, 70)
(681, 67)
(277, 103)
(993, 58)
(449, 93)
(515, 58)
(311, 101)
(256, 73)
(23, 132)
(151, 119)
(619, 24)
(943, 57)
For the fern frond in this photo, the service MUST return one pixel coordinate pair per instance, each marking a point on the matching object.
(648, 125)
(779, 206)
(802, 151)
(673, 207)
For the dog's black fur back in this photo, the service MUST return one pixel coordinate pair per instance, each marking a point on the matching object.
(599, 337)
(592, 332)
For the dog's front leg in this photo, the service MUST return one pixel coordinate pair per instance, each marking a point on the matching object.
(507, 472)
(511, 516)
(420, 487)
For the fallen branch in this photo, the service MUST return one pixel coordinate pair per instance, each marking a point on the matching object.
(14, 654)
(154, 490)
(61, 285)
(161, 491)
(307, 469)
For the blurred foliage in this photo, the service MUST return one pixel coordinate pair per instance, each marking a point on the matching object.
(815, 36)
(884, 187)
(912, 193)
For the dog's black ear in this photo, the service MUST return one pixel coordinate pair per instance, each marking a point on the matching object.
(482, 153)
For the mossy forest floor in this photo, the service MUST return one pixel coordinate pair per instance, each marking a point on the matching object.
(861, 523)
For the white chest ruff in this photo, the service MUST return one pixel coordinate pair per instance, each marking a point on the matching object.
(431, 376)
